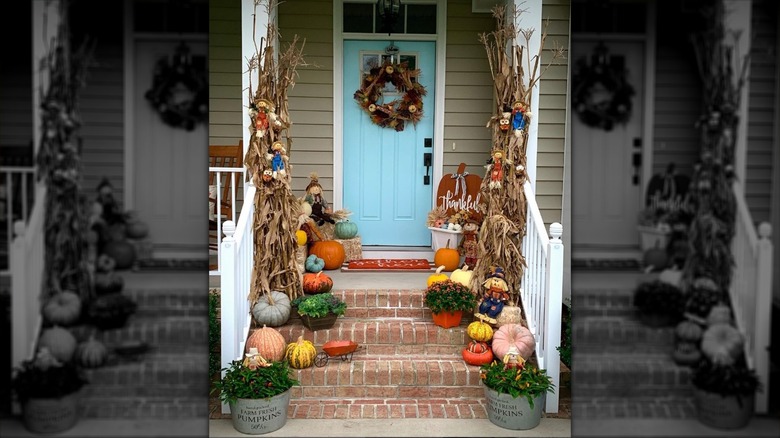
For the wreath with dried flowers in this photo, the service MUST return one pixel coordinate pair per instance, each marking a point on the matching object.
(394, 114)
(602, 95)
(179, 93)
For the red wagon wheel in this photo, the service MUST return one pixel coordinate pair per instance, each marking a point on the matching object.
(321, 359)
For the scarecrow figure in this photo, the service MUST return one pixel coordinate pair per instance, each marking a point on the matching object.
(495, 168)
(504, 121)
(495, 295)
(264, 107)
(253, 360)
(513, 360)
(277, 159)
(470, 230)
(518, 118)
(319, 206)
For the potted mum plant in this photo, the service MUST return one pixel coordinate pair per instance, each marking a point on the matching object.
(515, 395)
(448, 300)
(48, 391)
(319, 311)
(258, 393)
(659, 304)
(724, 393)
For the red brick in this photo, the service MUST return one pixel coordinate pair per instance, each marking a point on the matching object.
(356, 376)
(382, 300)
(393, 298)
(479, 411)
(329, 411)
(424, 410)
(318, 392)
(407, 333)
(409, 374)
(437, 411)
(296, 392)
(350, 391)
(396, 372)
(464, 411)
(396, 411)
(383, 373)
(359, 332)
(413, 391)
(368, 411)
(434, 373)
(385, 392)
(344, 373)
(461, 373)
(395, 333)
(451, 411)
(359, 312)
(370, 374)
(447, 374)
(318, 376)
(405, 300)
(369, 401)
(342, 412)
(382, 411)
(383, 334)
(301, 411)
(355, 411)
(410, 411)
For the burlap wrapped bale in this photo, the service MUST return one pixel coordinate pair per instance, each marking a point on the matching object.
(353, 248)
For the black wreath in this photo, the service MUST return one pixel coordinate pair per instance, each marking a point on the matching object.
(602, 95)
(179, 93)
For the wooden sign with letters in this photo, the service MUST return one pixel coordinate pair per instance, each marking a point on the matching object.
(460, 191)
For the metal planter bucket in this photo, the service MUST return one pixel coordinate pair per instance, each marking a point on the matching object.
(51, 415)
(259, 416)
(722, 412)
(513, 413)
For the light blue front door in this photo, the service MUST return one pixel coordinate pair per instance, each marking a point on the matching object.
(384, 170)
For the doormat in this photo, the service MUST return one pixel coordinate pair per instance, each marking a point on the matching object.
(368, 265)
(605, 264)
(173, 265)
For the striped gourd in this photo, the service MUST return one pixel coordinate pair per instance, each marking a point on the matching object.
(480, 331)
(301, 353)
(269, 342)
(91, 353)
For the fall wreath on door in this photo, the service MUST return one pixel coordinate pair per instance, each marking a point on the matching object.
(602, 94)
(179, 90)
(394, 114)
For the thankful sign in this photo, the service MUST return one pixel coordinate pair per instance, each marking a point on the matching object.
(459, 191)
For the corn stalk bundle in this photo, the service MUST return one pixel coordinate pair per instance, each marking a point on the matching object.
(66, 262)
(276, 208)
(497, 246)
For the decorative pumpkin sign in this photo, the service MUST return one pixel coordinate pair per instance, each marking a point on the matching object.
(437, 276)
(330, 251)
(477, 353)
(301, 353)
(318, 283)
(447, 257)
(513, 335)
(269, 342)
(272, 309)
(345, 229)
(459, 191)
(63, 308)
(480, 331)
(462, 276)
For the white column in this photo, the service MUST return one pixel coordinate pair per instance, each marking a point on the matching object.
(552, 331)
(45, 21)
(254, 22)
(738, 34)
(530, 18)
(763, 312)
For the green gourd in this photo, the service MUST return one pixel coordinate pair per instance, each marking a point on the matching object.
(345, 229)
(314, 264)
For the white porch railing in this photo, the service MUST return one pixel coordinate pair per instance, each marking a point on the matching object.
(15, 180)
(26, 266)
(237, 255)
(542, 291)
(222, 176)
(751, 291)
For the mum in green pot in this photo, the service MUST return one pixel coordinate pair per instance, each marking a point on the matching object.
(515, 391)
(447, 301)
(48, 391)
(258, 392)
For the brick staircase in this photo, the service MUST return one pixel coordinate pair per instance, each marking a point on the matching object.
(405, 366)
(169, 380)
(622, 368)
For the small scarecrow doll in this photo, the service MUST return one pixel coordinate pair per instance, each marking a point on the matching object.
(278, 154)
(319, 206)
(513, 360)
(495, 169)
(519, 113)
(495, 295)
(253, 360)
(470, 231)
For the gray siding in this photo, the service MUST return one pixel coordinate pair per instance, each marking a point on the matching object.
(225, 72)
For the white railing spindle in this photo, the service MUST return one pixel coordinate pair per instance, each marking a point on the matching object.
(220, 174)
(12, 174)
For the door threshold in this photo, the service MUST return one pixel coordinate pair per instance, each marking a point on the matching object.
(397, 252)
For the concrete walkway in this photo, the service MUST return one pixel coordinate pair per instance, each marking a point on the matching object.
(629, 427)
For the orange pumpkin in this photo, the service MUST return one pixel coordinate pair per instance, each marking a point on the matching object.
(513, 335)
(269, 342)
(318, 283)
(477, 353)
(330, 251)
(447, 257)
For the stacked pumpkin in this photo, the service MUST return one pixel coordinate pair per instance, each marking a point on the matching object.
(721, 342)
(687, 338)
(478, 351)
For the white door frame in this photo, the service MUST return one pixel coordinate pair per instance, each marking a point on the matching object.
(440, 39)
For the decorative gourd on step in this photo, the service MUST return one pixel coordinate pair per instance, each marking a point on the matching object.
(477, 353)
(686, 353)
(330, 251)
(656, 257)
(122, 251)
(448, 257)
(688, 331)
(91, 353)
(301, 353)
(480, 331)
(63, 308)
(269, 342)
(722, 344)
(301, 237)
(314, 263)
(318, 283)
(438, 276)
(60, 342)
(345, 229)
(513, 335)
(272, 309)
(462, 275)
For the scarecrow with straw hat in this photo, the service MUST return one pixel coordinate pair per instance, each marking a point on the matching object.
(319, 206)
(495, 295)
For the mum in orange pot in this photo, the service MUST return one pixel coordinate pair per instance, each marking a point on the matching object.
(447, 301)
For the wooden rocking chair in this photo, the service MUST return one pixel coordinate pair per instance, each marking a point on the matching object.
(222, 156)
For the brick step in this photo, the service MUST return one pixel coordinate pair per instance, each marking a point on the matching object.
(640, 374)
(617, 330)
(151, 407)
(464, 408)
(175, 302)
(593, 299)
(669, 406)
(381, 299)
(156, 330)
(154, 368)
(195, 388)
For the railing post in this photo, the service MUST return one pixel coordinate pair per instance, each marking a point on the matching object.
(227, 296)
(552, 332)
(763, 314)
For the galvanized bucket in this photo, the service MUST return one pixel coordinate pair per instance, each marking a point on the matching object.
(513, 413)
(51, 415)
(259, 416)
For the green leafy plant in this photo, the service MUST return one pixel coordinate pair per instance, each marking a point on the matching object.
(214, 333)
(565, 348)
(246, 383)
(726, 380)
(111, 310)
(659, 298)
(449, 296)
(319, 305)
(528, 381)
(46, 377)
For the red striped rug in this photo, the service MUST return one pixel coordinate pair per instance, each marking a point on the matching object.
(388, 265)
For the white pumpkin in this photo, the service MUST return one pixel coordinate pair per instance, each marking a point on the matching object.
(462, 275)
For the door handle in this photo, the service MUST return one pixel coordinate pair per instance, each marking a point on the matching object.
(427, 159)
(637, 162)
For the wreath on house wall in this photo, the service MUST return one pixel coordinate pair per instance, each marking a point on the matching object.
(394, 114)
(602, 94)
(179, 91)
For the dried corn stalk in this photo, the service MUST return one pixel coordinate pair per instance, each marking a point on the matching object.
(267, 160)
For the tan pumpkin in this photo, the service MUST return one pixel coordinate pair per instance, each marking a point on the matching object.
(91, 353)
(330, 251)
(510, 315)
(462, 275)
(480, 331)
(477, 353)
(448, 257)
(513, 334)
(719, 314)
(63, 308)
(722, 344)
(60, 342)
(318, 283)
(301, 353)
(269, 342)
(272, 309)
(438, 276)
